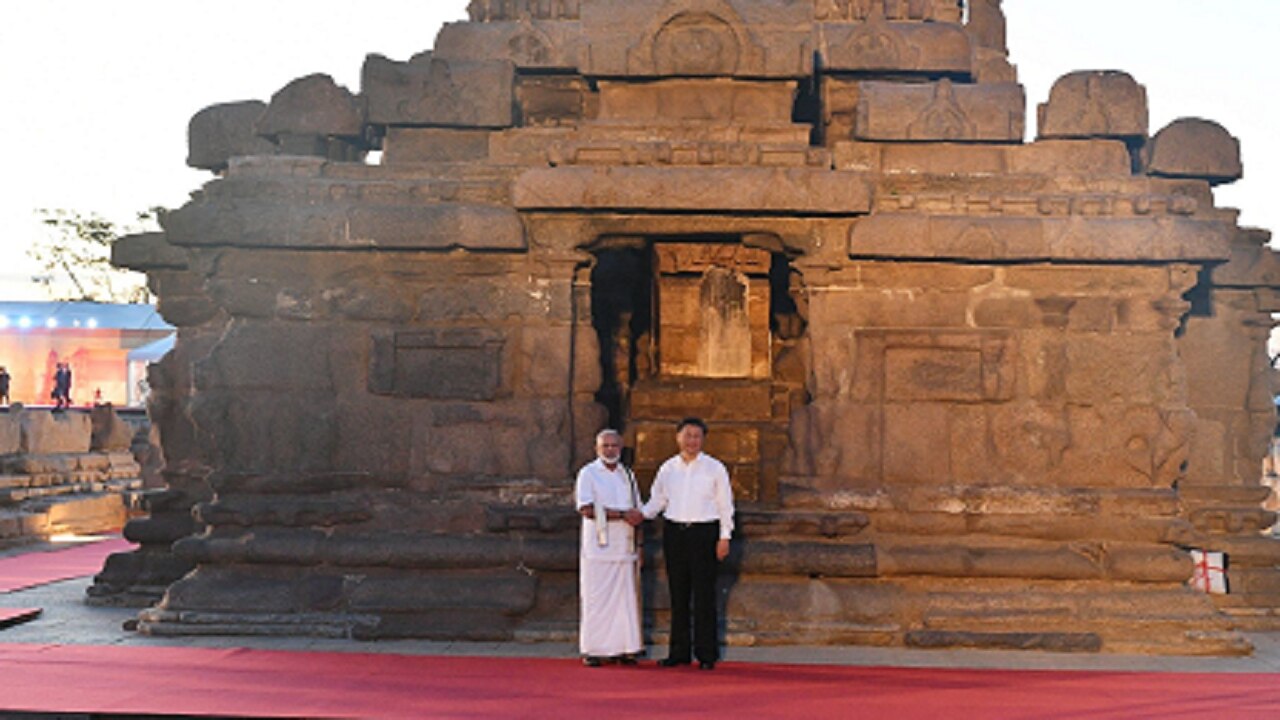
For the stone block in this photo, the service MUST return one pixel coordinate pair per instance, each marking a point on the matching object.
(935, 366)
(312, 106)
(405, 145)
(838, 440)
(676, 101)
(1109, 368)
(48, 433)
(145, 252)
(987, 25)
(808, 558)
(1125, 447)
(949, 159)
(431, 90)
(439, 364)
(912, 451)
(1094, 104)
(1063, 642)
(1005, 312)
(940, 111)
(1253, 263)
(1093, 157)
(544, 355)
(723, 400)
(555, 100)
(896, 47)
(491, 300)
(269, 430)
(697, 38)
(990, 66)
(110, 432)
(1197, 149)
(924, 276)
(510, 592)
(1076, 280)
(220, 132)
(529, 43)
(514, 441)
(940, 11)
(10, 433)
(1027, 440)
(904, 235)
(754, 190)
(371, 225)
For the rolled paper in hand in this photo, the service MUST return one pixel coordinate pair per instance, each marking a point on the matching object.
(602, 524)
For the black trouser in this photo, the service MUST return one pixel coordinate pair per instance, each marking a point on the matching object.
(690, 551)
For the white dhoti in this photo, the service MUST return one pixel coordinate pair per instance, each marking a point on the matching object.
(610, 621)
(610, 616)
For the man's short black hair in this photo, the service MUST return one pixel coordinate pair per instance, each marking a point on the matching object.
(692, 421)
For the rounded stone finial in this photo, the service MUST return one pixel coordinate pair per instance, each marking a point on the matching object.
(1095, 104)
(220, 132)
(312, 105)
(1195, 148)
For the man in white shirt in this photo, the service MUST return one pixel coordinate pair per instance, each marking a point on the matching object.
(608, 501)
(692, 492)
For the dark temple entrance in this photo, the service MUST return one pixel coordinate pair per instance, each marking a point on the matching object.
(700, 326)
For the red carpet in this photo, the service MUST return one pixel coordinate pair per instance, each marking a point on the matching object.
(38, 568)
(253, 683)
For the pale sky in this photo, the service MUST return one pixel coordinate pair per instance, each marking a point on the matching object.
(98, 94)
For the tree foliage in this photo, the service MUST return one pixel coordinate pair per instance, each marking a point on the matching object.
(75, 257)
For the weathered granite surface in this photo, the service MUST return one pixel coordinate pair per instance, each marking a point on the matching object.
(972, 390)
(65, 473)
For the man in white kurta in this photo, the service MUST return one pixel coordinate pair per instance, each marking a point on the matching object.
(608, 501)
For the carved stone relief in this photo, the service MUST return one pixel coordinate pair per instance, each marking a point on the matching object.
(697, 38)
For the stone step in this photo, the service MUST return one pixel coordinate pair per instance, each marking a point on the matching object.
(972, 557)
(80, 514)
(1106, 600)
(1022, 640)
(13, 496)
(1255, 619)
(1178, 635)
(1161, 626)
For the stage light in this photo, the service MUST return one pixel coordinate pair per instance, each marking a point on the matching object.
(51, 323)
(93, 322)
(24, 322)
(4, 321)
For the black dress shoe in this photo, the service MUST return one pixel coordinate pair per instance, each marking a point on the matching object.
(627, 659)
(706, 664)
(671, 662)
(590, 661)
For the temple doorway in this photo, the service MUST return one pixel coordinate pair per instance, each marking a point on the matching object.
(702, 326)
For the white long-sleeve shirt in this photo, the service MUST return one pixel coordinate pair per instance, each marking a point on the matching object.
(696, 491)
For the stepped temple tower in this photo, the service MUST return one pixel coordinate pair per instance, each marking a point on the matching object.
(974, 389)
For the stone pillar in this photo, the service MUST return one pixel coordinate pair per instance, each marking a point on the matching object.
(1225, 350)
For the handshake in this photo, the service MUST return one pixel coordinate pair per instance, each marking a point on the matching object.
(633, 517)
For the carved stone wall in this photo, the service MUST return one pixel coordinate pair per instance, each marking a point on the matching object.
(974, 391)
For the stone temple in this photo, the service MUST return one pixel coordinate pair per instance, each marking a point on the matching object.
(973, 390)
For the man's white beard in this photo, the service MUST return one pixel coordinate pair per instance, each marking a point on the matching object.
(612, 460)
